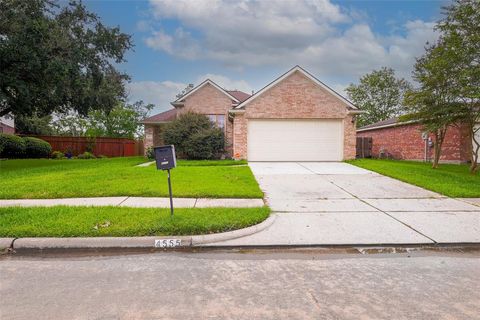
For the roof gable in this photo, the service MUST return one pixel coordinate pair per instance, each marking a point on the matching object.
(306, 74)
(201, 85)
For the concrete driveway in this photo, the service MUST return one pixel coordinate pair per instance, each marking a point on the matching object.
(337, 203)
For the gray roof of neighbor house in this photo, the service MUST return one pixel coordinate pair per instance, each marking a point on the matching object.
(166, 116)
(388, 122)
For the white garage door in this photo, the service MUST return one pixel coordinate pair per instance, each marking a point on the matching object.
(295, 140)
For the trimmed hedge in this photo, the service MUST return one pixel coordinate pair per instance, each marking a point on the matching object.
(12, 146)
(37, 148)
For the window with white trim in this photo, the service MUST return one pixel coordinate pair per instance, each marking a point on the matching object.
(217, 119)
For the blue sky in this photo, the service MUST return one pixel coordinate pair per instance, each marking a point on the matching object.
(246, 44)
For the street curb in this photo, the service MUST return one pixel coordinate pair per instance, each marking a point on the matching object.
(128, 242)
(92, 243)
(5, 243)
(230, 235)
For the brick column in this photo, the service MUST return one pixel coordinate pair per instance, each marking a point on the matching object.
(239, 136)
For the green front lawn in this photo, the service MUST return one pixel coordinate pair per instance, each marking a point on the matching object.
(62, 221)
(449, 179)
(44, 178)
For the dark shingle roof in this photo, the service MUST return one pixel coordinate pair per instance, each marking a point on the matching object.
(239, 95)
(166, 116)
(380, 124)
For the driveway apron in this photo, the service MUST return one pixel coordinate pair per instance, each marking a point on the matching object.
(334, 203)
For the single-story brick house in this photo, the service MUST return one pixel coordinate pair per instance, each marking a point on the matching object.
(405, 141)
(7, 125)
(294, 118)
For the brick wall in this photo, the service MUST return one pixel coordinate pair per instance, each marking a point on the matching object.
(153, 136)
(405, 142)
(209, 100)
(240, 136)
(296, 97)
(6, 129)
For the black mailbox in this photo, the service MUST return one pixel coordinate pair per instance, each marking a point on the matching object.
(165, 157)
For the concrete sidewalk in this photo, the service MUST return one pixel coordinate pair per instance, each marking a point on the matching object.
(136, 202)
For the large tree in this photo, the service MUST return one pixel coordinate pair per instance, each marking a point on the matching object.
(58, 58)
(461, 37)
(123, 121)
(434, 102)
(379, 94)
(33, 125)
(449, 77)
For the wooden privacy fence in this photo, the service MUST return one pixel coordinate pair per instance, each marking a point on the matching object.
(110, 147)
(364, 147)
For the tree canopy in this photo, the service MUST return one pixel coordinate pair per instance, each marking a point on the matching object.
(449, 76)
(58, 58)
(379, 94)
(123, 121)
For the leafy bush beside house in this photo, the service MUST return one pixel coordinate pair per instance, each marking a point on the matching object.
(195, 137)
(205, 144)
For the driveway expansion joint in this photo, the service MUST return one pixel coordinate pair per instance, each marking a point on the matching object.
(123, 201)
(385, 213)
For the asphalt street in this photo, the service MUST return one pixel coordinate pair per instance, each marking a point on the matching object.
(293, 284)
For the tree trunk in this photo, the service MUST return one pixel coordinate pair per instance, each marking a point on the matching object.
(475, 149)
(439, 138)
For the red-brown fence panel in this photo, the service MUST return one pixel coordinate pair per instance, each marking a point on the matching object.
(110, 147)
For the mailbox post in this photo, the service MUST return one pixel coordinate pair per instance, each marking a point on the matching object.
(166, 160)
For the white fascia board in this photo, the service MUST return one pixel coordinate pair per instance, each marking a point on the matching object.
(208, 81)
(308, 75)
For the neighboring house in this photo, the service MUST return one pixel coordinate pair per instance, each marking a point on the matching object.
(294, 118)
(7, 125)
(405, 141)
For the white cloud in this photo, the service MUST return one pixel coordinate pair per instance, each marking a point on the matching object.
(180, 43)
(324, 37)
(158, 93)
(164, 92)
(226, 83)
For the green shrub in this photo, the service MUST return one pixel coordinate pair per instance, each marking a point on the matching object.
(86, 155)
(57, 155)
(194, 137)
(102, 157)
(12, 146)
(150, 154)
(37, 148)
(205, 144)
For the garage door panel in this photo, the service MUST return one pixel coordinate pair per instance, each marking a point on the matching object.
(295, 140)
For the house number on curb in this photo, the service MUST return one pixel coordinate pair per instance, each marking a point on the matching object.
(166, 160)
(168, 243)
